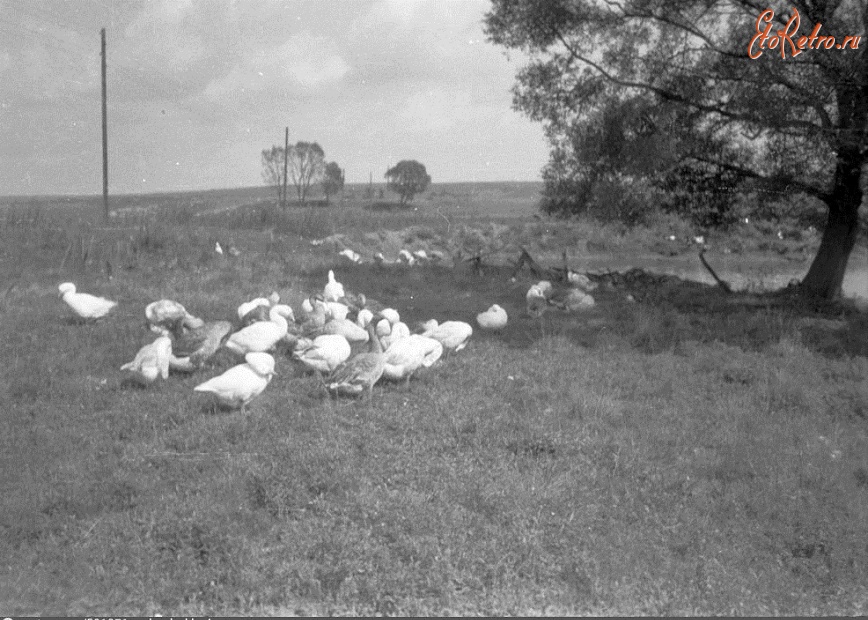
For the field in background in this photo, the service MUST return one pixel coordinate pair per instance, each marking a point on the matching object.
(690, 453)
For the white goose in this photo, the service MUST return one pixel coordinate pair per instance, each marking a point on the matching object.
(167, 315)
(241, 384)
(453, 335)
(406, 356)
(364, 317)
(333, 290)
(84, 305)
(324, 353)
(405, 257)
(346, 328)
(536, 301)
(353, 257)
(257, 309)
(151, 361)
(262, 335)
(494, 318)
(396, 332)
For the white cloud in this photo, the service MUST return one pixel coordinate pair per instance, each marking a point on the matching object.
(434, 109)
(303, 60)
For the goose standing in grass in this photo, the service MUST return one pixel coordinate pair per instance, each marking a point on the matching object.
(192, 348)
(240, 384)
(396, 332)
(84, 305)
(364, 317)
(494, 318)
(333, 290)
(151, 361)
(360, 372)
(453, 335)
(404, 357)
(324, 353)
(262, 335)
(167, 315)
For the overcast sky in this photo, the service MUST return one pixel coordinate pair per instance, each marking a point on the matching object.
(198, 88)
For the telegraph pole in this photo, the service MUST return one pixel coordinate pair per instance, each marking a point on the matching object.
(105, 200)
(285, 161)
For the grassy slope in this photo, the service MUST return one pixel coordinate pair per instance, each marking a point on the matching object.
(677, 455)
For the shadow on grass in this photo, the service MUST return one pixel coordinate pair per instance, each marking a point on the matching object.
(667, 312)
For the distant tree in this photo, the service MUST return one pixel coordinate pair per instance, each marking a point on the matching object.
(333, 179)
(272, 170)
(407, 178)
(306, 166)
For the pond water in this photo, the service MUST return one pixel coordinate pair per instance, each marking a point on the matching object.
(740, 271)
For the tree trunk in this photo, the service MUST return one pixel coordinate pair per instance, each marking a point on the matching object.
(826, 274)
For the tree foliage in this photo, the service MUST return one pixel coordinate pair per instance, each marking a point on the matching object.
(407, 178)
(333, 179)
(666, 90)
(306, 167)
(272, 170)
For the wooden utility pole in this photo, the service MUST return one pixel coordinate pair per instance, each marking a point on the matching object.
(105, 200)
(285, 162)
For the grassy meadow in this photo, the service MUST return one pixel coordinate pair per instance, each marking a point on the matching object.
(691, 452)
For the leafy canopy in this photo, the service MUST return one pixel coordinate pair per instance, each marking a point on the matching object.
(407, 178)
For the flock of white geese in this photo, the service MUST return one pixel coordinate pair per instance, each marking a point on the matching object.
(349, 342)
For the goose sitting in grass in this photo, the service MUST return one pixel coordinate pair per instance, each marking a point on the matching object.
(353, 257)
(167, 315)
(324, 353)
(85, 306)
(192, 348)
(360, 372)
(536, 301)
(257, 309)
(151, 361)
(346, 328)
(333, 290)
(381, 260)
(336, 309)
(404, 357)
(314, 311)
(494, 318)
(404, 256)
(453, 335)
(263, 335)
(240, 384)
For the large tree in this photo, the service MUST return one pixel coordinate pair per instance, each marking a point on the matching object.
(272, 171)
(333, 179)
(742, 87)
(407, 178)
(306, 166)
